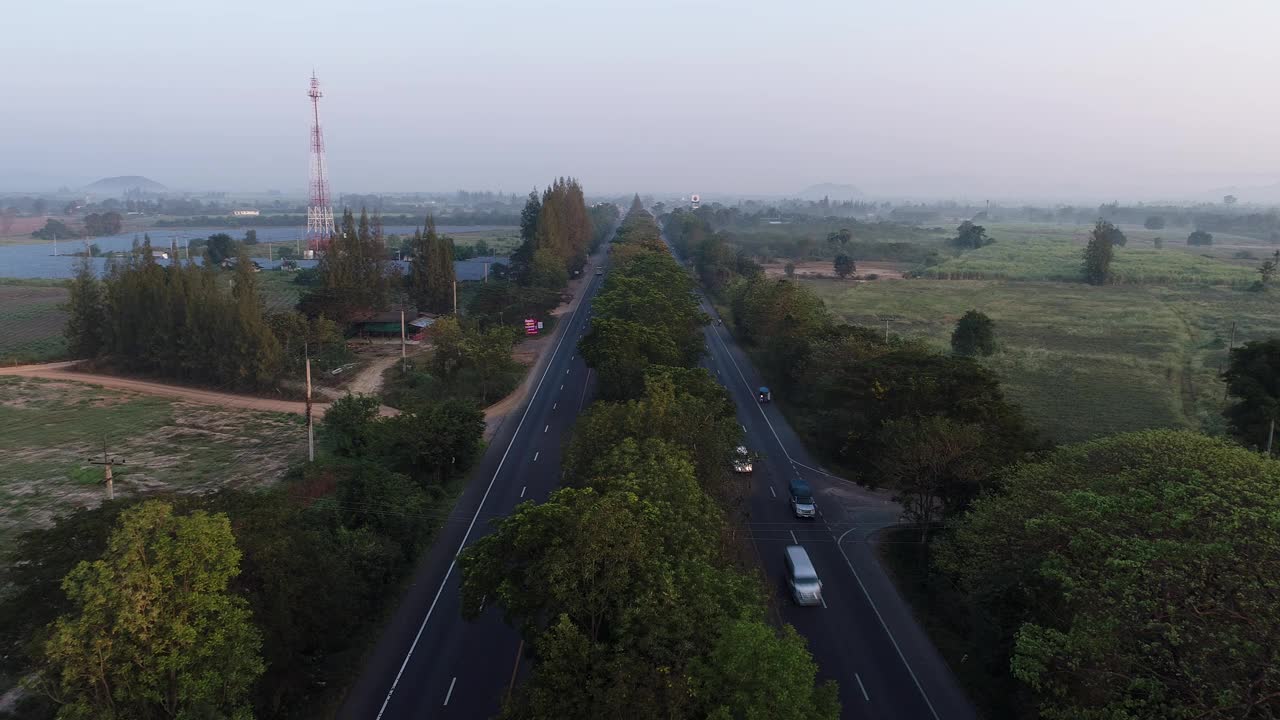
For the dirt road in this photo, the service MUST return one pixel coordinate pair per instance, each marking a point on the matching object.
(67, 371)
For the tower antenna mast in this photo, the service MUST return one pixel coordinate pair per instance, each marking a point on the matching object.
(319, 211)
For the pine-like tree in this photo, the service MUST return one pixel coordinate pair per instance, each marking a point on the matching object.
(1098, 254)
(529, 216)
(86, 319)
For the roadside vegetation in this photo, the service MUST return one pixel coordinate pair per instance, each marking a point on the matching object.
(334, 539)
(1082, 361)
(626, 583)
(285, 551)
(1157, 609)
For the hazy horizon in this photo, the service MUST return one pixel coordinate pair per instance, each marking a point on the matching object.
(966, 101)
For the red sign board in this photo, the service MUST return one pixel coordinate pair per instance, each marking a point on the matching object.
(531, 326)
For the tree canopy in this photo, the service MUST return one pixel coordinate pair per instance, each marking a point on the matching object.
(1099, 253)
(620, 581)
(1253, 380)
(974, 334)
(155, 632)
(1137, 575)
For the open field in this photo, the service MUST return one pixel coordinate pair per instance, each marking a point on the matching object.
(31, 321)
(1082, 361)
(49, 430)
(1026, 251)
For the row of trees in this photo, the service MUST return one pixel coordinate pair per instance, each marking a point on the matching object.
(354, 274)
(173, 320)
(1158, 608)
(431, 272)
(556, 229)
(889, 411)
(623, 583)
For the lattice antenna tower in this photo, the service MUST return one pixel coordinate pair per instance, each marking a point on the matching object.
(319, 211)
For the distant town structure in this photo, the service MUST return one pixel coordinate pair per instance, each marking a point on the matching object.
(695, 200)
(245, 213)
(319, 211)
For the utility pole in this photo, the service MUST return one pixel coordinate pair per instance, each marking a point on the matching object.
(311, 436)
(1271, 434)
(486, 272)
(455, 297)
(404, 364)
(106, 464)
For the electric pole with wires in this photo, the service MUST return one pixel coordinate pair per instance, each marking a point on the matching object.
(107, 462)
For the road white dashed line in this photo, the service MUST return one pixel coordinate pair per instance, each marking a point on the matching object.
(793, 537)
(522, 489)
(862, 687)
(771, 492)
(535, 455)
(450, 693)
(546, 428)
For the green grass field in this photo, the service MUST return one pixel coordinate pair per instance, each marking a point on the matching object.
(1082, 361)
(1040, 252)
(31, 321)
(50, 430)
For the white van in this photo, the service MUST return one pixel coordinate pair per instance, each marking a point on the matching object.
(806, 588)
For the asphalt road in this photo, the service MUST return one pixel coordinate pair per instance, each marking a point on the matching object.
(863, 636)
(429, 662)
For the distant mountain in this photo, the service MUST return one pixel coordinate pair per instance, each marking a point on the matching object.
(835, 191)
(118, 185)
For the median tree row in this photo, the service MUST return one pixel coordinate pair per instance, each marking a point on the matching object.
(626, 583)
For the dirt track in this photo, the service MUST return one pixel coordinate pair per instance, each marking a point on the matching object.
(66, 371)
(530, 350)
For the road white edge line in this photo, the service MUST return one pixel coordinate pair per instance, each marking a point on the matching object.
(444, 581)
(750, 391)
(883, 624)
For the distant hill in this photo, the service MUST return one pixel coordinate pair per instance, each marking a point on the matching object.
(834, 191)
(118, 185)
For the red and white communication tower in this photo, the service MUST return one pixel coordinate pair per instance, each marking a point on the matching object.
(319, 211)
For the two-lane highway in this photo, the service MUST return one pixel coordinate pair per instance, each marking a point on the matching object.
(863, 636)
(429, 663)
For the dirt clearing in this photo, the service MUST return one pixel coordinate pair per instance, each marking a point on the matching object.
(50, 430)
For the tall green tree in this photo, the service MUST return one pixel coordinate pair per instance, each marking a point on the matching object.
(754, 672)
(529, 216)
(155, 633)
(1199, 237)
(844, 266)
(970, 235)
(974, 334)
(431, 271)
(1253, 381)
(1099, 253)
(86, 319)
(256, 348)
(219, 247)
(1134, 576)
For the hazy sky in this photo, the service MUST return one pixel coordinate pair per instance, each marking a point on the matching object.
(969, 99)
